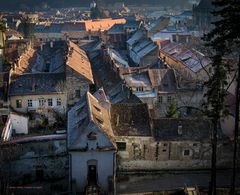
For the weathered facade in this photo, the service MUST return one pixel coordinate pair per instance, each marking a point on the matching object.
(33, 159)
(193, 66)
(79, 76)
(167, 144)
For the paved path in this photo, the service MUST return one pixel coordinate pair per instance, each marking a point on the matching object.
(169, 181)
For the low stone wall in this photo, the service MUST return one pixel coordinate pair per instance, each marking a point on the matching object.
(34, 161)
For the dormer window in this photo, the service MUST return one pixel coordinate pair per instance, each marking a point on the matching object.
(92, 136)
(98, 109)
(99, 121)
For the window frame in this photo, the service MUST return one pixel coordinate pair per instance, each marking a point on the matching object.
(50, 102)
(59, 101)
(77, 93)
(160, 99)
(41, 102)
(18, 103)
(30, 103)
(169, 98)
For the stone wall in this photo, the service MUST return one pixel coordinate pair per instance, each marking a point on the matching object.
(75, 82)
(34, 161)
(145, 153)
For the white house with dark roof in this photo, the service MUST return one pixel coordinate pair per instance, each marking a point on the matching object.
(38, 92)
(92, 146)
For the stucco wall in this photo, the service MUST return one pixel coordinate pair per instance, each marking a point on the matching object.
(182, 69)
(36, 98)
(79, 167)
(201, 75)
(101, 141)
(19, 123)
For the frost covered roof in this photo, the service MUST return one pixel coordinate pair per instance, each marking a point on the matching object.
(88, 113)
(136, 37)
(117, 57)
(151, 26)
(39, 83)
(192, 59)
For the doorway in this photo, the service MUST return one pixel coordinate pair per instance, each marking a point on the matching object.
(92, 173)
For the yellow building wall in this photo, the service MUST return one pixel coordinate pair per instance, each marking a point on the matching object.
(35, 98)
(200, 75)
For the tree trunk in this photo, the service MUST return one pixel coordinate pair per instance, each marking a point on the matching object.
(233, 187)
(212, 189)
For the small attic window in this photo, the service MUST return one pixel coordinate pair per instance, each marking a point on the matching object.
(99, 121)
(98, 109)
(92, 136)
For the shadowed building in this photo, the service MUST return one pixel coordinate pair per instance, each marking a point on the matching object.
(202, 16)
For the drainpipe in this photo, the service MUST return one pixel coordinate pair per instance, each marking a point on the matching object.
(70, 172)
(114, 172)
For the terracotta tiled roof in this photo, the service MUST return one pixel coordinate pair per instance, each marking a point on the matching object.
(26, 61)
(78, 60)
(100, 116)
(12, 32)
(131, 70)
(102, 24)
